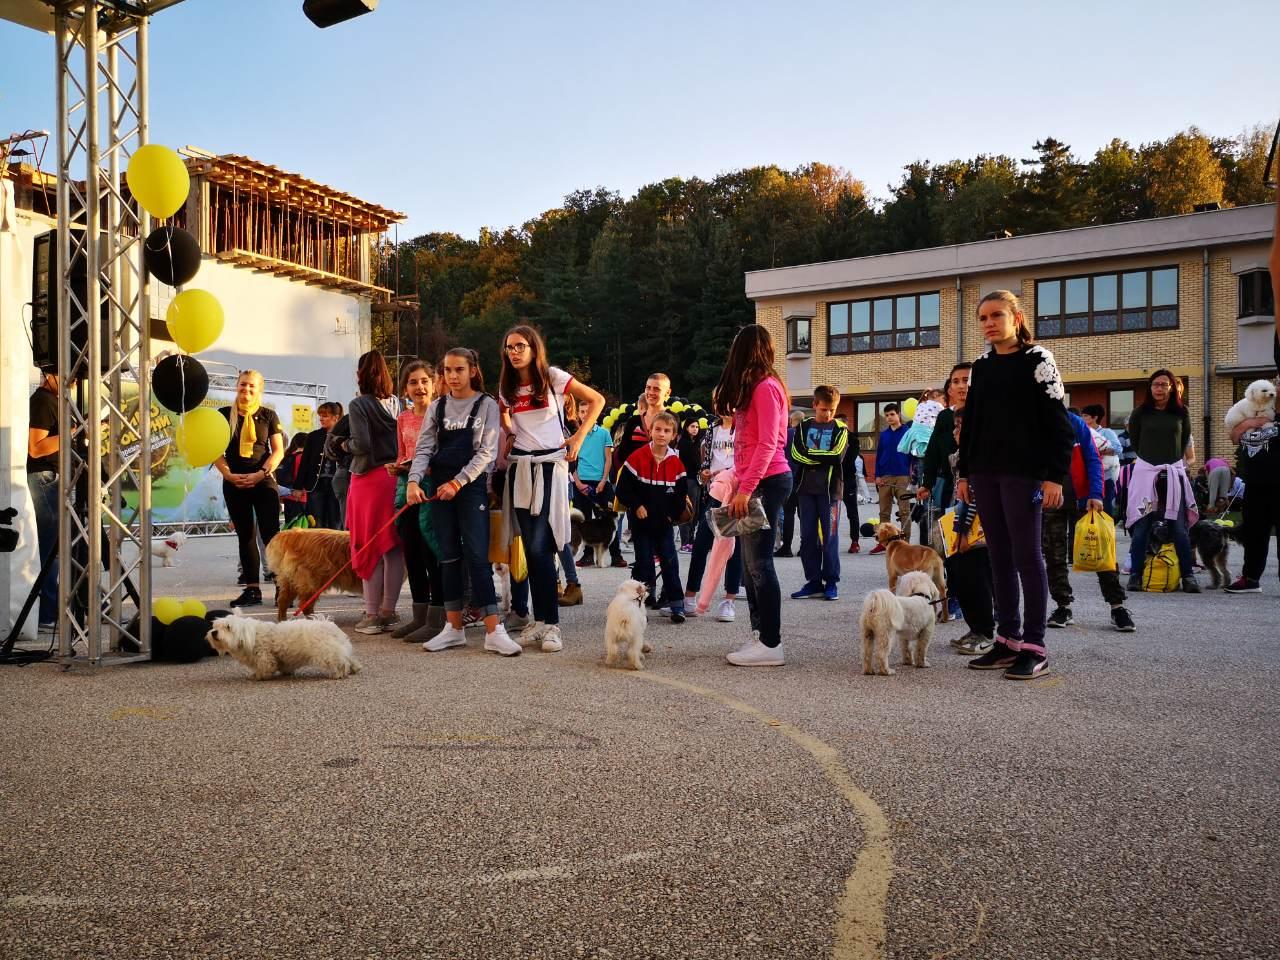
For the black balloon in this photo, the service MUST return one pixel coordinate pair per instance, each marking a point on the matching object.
(132, 628)
(184, 640)
(172, 255)
(180, 382)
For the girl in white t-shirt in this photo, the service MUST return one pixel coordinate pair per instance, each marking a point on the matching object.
(536, 505)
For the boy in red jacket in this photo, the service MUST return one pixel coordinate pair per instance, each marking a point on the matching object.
(654, 489)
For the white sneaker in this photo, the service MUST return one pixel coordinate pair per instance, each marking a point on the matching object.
(726, 613)
(532, 633)
(756, 654)
(500, 642)
(742, 593)
(450, 636)
(551, 642)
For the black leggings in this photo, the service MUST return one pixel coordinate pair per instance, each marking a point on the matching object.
(419, 559)
(243, 507)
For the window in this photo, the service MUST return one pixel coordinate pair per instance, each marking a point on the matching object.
(1256, 296)
(1107, 303)
(1119, 406)
(885, 323)
(798, 335)
(868, 422)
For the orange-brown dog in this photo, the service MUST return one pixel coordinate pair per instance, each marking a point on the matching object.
(303, 560)
(902, 557)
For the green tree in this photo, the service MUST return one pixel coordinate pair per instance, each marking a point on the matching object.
(1114, 185)
(1051, 197)
(1183, 172)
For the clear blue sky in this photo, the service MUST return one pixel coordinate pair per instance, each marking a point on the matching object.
(488, 113)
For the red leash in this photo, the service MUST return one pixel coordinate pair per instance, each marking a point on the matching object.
(316, 596)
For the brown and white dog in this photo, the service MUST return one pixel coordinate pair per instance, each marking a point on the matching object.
(902, 557)
(303, 560)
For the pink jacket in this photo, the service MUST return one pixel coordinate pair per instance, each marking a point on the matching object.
(760, 436)
(723, 487)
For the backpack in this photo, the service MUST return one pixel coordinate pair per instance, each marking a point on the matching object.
(287, 473)
(1162, 573)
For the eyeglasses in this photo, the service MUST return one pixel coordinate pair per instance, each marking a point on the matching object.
(516, 347)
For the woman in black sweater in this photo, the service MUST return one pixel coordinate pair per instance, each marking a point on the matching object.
(1015, 453)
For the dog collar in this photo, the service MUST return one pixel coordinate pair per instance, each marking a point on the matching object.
(171, 544)
(932, 603)
(901, 536)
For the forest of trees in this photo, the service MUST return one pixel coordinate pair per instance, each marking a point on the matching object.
(621, 287)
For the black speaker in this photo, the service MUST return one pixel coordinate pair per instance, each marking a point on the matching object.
(44, 305)
(325, 13)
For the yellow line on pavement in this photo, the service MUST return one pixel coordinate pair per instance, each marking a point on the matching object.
(859, 933)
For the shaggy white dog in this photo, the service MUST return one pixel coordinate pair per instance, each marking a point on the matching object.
(1259, 401)
(167, 548)
(625, 626)
(271, 648)
(907, 614)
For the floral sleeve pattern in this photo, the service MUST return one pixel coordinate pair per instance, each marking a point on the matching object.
(1047, 374)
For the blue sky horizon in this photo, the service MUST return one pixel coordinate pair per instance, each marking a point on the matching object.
(490, 115)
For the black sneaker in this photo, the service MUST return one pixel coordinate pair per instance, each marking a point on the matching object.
(677, 616)
(1244, 585)
(1135, 584)
(1028, 666)
(251, 597)
(998, 657)
(783, 552)
(1060, 617)
(1190, 584)
(1122, 620)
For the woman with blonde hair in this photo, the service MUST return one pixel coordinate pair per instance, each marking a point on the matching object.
(1015, 453)
(248, 482)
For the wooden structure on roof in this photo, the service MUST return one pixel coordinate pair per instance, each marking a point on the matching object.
(256, 215)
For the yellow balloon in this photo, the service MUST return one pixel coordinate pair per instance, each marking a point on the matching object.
(909, 407)
(166, 610)
(158, 179)
(192, 607)
(677, 407)
(702, 422)
(194, 319)
(202, 436)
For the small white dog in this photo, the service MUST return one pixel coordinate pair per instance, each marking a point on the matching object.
(168, 547)
(908, 615)
(271, 648)
(502, 587)
(625, 626)
(1259, 401)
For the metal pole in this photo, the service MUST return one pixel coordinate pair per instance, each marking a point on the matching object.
(118, 338)
(144, 360)
(93, 325)
(64, 43)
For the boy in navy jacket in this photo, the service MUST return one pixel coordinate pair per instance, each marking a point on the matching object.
(818, 448)
(654, 489)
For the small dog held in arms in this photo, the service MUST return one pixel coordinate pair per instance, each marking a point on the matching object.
(906, 614)
(901, 557)
(1259, 401)
(285, 648)
(624, 628)
(303, 560)
(168, 547)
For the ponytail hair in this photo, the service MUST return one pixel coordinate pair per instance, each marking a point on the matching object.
(1025, 337)
(473, 358)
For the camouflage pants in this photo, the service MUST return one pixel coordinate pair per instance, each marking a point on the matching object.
(1055, 537)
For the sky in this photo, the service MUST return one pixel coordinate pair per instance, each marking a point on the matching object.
(487, 113)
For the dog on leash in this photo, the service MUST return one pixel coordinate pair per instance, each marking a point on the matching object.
(284, 648)
(625, 625)
(597, 533)
(906, 614)
(1259, 401)
(303, 560)
(168, 547)
(1212, 542)
(901, 557)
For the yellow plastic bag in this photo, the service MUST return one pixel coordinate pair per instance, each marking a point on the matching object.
(498, 552)
(519, 568)
(1162, 573)
(1095, 546)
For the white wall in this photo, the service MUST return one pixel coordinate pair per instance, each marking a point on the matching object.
(286, 329)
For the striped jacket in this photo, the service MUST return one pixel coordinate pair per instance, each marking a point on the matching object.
(660, 486)
(821, 471)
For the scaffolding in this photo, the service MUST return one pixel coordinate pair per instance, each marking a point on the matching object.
(102, 341)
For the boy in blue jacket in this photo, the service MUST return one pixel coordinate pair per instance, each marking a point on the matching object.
(1057, 536)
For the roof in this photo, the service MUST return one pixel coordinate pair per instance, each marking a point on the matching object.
(1107, 241)
(236, 171)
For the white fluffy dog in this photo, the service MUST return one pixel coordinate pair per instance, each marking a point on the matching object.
(271, 648)
(625, 626)
(167, 548)
(1259, 401)
(502, 587)
(908, 615)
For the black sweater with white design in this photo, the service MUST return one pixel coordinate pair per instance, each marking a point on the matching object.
(1014, 419)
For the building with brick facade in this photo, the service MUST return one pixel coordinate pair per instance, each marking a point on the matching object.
(1113, 303)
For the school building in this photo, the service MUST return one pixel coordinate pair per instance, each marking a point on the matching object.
(1113, 303)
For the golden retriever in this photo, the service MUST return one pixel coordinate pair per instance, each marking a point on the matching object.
(902, 557)
(303, 560)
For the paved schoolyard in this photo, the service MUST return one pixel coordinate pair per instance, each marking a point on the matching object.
(462, 805)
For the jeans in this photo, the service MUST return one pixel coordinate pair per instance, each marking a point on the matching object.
(420, 560)
(650, 537)
(819, 538)
(1011, 517)
(261, 504)
(1141, 534)
(570, 568)
(540, 550)
(702, 541)
(764, 595)
(43, 487)
(462, 531)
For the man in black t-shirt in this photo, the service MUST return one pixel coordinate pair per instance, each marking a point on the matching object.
(42, 482)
